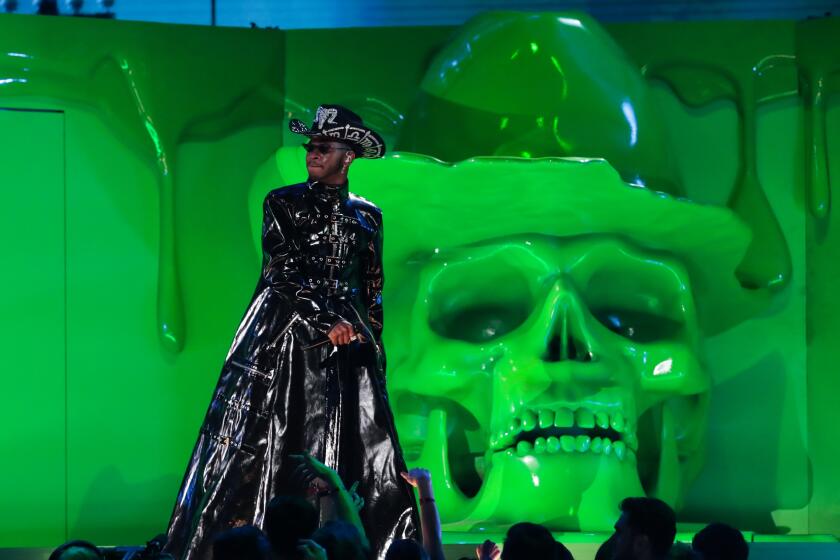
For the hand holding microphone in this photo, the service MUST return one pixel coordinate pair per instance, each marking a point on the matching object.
(342, 333)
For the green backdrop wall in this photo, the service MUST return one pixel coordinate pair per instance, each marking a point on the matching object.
(134, 157)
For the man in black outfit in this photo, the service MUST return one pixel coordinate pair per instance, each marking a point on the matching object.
(305, 373)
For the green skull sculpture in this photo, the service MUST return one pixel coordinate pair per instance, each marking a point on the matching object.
(543, 322)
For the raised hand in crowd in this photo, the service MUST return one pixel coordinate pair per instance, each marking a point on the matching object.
(358, 501)
(488, 550)
(429, 517)
(330, 486)
(310, 550)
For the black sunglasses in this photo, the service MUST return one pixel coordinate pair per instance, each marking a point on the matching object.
(323, 148)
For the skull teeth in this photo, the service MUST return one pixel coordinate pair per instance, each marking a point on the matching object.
(569, 444)
(566, 430)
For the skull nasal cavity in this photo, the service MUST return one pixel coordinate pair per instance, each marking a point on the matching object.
(565, 341)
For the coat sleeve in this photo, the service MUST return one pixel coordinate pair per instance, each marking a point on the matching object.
(282, 260)
(374, 281)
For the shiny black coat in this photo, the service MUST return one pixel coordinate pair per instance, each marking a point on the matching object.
(322, 262)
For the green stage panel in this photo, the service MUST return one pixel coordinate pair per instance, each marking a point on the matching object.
(32, 332)
(163, 127)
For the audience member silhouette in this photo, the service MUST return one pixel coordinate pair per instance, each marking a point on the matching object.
(607, 549)
(406, 549)
(645, 530)
(525, 541)
(529, 541)
(288, 520)
(77, 550)
(242, 543)
(719, 541)
(682, 551)
(341, 540)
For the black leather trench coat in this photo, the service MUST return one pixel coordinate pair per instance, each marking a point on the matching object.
(322, 262)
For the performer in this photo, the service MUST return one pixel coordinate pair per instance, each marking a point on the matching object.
(305, 373)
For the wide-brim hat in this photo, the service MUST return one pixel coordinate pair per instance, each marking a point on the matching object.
(432, 206)
(342, 124)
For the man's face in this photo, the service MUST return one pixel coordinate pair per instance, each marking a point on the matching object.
(326, 166)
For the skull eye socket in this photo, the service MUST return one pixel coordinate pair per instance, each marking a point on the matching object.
(639, 326)
(479, 308)
(478, 323)
(641, 300)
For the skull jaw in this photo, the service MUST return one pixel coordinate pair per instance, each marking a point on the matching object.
(566, 491)
(571, 492)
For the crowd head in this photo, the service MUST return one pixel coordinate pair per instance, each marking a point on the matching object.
(645, 530)
(406, 549)
(529, 541)
(719, 541)
(288, 520)
(240, 543)
(341, 541)
(77, 550)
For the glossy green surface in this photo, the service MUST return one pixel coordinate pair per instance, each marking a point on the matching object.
(109, 412)
(34, 369)
(129, 84)
(762, 69)
(536, 85)
(166, 161)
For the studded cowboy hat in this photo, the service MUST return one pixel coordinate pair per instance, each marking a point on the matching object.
(342, 124)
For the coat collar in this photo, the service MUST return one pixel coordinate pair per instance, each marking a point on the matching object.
(325, 190)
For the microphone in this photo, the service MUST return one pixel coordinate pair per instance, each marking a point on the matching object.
(354, 338)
